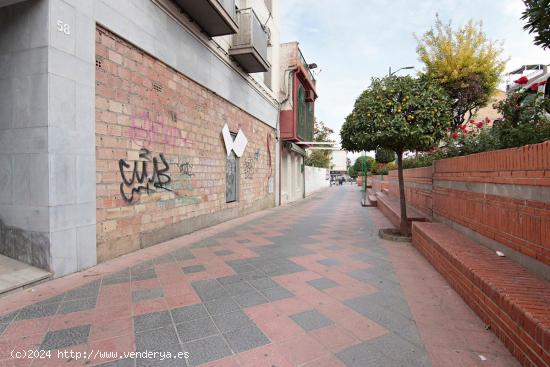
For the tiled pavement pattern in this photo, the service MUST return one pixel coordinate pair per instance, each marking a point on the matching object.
(306, 285)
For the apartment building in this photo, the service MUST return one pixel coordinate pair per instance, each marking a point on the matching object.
(127, 123)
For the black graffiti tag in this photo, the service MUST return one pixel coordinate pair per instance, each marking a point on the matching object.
(186, 169)
(145, 182)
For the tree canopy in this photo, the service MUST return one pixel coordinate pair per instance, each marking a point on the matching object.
(397, 113)
(320, 158)
(358, 165)
(384, 156)
(537, 15)
(464, 62)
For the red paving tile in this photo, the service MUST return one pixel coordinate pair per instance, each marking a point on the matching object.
(27, 327)
(149, 306)
(226, 362)
(280, 329)
(265, 312)
(362, 328)
(112, 324)
(111, 328)
(267, 356)
(302, 349)
(335, 338)
(327, 361)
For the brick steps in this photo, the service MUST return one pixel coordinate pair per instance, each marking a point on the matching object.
(507, 297)
(373, 199)
(391, 208)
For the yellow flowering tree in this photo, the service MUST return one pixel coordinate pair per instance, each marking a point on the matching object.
(464, 62)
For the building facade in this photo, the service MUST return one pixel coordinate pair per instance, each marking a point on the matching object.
(126, 123)
(338, 163)
(297, 98)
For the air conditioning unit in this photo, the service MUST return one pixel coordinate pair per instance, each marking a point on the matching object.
(310, 96)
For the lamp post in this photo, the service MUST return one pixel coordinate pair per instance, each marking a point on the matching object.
(403, 68)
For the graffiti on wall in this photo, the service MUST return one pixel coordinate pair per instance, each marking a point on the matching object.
(141, 179)
(148, 128)
(249, 167)
(186, 168)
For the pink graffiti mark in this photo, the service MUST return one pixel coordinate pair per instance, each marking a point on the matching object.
(148, 128)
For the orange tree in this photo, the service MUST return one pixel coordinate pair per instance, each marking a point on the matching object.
(401, 114)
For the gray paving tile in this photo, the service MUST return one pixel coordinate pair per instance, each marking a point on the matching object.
(149, 293)
(223, 252)
(241, 267)
(196, 329)
(193, 269)
(36, 311)
(65, 338)
(388, 350)
(277, 293)
(239, 288)
(250, 299)
(329, 262)
(206, 350)
(77, 305)
(323, 283)
(151, 321)
(182, 254)
(188, 313)
(161, 339)
(231, 321)
(311, 320)
(144, 275)
(54, 299)
(116, 278)
(164, 259)
(209, 289)
(253, 275)
(231, 279)
(246, 338)
(3, 327)
(8, 317)
(86, 291)
(221, 306)
(264, 283)
(142, 266)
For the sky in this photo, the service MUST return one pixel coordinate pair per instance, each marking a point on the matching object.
(352, 41)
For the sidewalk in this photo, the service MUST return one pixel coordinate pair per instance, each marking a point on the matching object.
(304, 285)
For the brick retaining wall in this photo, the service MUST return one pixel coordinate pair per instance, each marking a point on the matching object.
(502, 195)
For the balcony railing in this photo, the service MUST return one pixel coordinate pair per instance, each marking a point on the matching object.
(215, 17)
(249, 47)
(306, 66)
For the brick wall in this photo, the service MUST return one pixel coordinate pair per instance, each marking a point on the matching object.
(503, 195)
(146, 111)
(418, 188)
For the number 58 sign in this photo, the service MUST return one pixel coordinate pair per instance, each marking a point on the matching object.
(63, 27)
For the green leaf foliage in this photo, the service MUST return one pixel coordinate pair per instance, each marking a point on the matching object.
(397, 113)
(384, 156)
(320, 157)
(537, 15)
(369, 164)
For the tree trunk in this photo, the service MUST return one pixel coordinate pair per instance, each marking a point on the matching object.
(403, 227)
